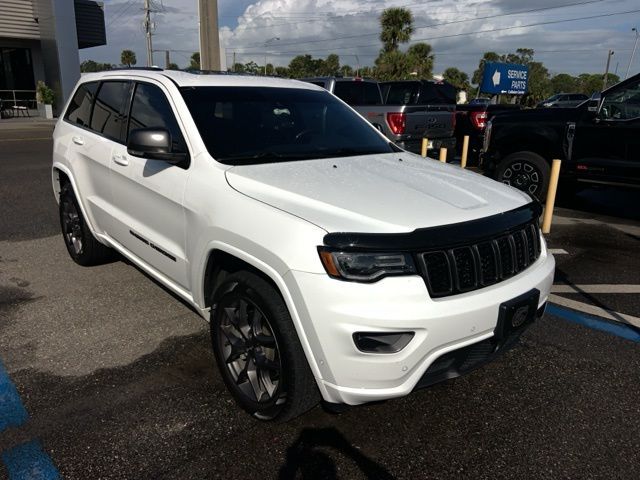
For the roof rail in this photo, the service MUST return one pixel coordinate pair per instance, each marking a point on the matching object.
(150, 69)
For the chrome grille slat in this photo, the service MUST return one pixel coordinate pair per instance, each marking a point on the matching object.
(471, 267)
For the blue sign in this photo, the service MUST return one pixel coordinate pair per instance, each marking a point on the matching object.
(508, 78)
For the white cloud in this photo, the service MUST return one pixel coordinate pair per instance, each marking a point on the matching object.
(318, 27)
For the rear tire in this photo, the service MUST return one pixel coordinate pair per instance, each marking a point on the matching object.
(82, 246)
(258, 351)
(526, 171)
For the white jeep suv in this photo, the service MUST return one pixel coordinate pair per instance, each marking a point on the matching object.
(330, 263)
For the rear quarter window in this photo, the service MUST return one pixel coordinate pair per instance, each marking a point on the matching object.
(358, 93)
(79, 109)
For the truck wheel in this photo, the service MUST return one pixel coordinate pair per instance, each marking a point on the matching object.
(526, 171)
(258, 351)
(82, 246)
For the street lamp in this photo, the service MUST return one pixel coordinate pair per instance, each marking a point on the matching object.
(633, 53)
(268, 42)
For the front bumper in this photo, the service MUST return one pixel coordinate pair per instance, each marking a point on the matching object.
(331, 311)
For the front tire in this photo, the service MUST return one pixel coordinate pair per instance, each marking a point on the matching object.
(526, 171)
(82, 246)
(258, 351)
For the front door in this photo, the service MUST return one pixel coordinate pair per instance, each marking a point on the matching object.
(149, 193)
(606, 145)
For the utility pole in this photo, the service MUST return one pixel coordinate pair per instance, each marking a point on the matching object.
(148, 31)
(606, 71)
(167, 59)
(209, 36)
(233, 66)
(633, 53)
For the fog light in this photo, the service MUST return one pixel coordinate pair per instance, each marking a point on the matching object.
(382, 342)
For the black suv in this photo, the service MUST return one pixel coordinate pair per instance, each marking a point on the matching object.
(599, 142)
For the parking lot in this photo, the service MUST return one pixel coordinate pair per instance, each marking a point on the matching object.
(114, 377)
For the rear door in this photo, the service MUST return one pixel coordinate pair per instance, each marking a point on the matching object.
(97, 112)
(149, 193)
(606, 146)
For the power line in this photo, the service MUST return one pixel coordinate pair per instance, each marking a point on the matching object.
(433, 25)
(479, 32)
(124, 10)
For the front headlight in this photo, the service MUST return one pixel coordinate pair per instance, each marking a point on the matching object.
(365, 266)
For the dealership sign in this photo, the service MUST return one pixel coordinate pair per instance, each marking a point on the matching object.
(508, 78)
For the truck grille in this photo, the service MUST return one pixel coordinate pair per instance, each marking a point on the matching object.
(471, 267)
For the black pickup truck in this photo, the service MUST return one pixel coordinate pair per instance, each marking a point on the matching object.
(597, 141)
(471, 120)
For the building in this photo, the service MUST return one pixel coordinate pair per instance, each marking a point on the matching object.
(39, 40)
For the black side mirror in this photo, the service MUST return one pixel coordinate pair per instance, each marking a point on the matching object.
(153, 144)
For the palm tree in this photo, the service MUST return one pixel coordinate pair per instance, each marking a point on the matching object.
(397, 27)
(128, 58)
(421, 60)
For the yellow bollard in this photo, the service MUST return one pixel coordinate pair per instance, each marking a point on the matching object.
(425, 143)
(551, 196)
(443, 155)
(465, 151)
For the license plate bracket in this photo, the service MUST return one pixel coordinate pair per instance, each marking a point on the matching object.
(516, 314)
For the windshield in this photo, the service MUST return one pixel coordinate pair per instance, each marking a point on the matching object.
(245, 125)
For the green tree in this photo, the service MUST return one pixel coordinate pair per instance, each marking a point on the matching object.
(392, 65)
(194, 61)
(253, 68)
(302, 66)
(396, 28)
(128, 58)
(420, 60)
(282, 72)
(590, 83)
(173, 66)
(539, 86)
(563, 83)
(457, 78)
(346, 71)
(330, 66)
(93, 66)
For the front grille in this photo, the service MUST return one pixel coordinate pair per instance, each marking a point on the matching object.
(470, 267)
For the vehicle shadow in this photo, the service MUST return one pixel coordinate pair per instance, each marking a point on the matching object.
(308, 457)
(611, 201)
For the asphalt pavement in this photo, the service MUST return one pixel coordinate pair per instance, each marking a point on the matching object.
(108, 375)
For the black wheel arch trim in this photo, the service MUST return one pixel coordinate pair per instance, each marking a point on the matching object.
(443, 236)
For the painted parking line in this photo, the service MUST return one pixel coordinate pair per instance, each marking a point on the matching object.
(596, 288)
(618, 329)
(12, 412)
(557, 251)
(595, 311)
(27, 461)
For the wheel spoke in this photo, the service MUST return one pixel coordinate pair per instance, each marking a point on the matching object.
(254, 380)
(263, 362)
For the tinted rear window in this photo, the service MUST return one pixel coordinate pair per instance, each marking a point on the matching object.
(108, 118)
(79, 110)
(358, 93)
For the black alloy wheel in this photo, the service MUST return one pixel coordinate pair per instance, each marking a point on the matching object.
(258, 351)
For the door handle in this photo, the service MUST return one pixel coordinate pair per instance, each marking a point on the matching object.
(120, 159)
(78, 140)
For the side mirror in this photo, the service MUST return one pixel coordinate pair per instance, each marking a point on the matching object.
(153, 144)
(594, 102)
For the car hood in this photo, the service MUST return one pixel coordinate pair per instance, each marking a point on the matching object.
(385, 193)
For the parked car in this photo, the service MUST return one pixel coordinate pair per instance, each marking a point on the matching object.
(480, 101)
(563, 100)
(430, 112)
(471, 120)
(330, 264)
(394, 110)
(597, 141)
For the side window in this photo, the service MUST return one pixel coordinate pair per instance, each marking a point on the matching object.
(623, 104)
(79, 109)
(108, 118)
(151, 109)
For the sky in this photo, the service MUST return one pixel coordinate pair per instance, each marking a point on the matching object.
(458, 30)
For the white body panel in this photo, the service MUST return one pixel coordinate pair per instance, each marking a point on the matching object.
(274, 217)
